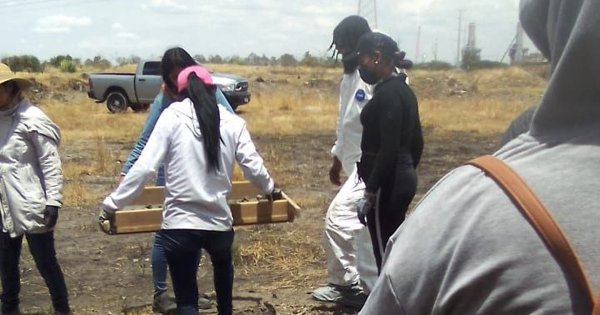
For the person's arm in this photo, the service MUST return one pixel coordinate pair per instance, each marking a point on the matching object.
(155, 110)
(251, 163)
(146, 166)
(390, 118)
(417, 143)
(50, 165)
(221, 99)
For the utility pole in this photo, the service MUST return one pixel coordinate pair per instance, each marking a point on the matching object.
(458, 41)
(435, 49)
(368, 10)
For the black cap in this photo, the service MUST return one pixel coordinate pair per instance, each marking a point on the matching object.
(370, 42)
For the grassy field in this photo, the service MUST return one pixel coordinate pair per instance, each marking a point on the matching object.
(292, 117)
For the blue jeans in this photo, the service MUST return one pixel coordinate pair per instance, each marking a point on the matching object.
(41, 247)
(182, 251)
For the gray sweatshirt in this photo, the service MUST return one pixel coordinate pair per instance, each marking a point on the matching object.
(466, 249)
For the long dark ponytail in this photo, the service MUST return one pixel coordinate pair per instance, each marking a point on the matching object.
(207, 112)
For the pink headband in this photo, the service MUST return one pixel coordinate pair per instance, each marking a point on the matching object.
(201, 73)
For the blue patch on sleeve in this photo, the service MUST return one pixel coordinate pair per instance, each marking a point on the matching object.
(360, 95)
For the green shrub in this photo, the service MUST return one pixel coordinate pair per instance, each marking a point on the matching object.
(26, 63)
(67, 65)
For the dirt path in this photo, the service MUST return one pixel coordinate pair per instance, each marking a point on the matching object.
(277, 266)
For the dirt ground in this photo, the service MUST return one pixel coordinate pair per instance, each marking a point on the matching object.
(112, 274)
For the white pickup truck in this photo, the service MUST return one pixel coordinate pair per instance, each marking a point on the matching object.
(138, 90)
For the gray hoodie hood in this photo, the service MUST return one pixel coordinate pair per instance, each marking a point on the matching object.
(567, 32)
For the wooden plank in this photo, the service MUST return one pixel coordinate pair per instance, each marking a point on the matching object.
(145, 213)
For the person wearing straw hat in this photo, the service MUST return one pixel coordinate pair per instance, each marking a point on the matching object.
(30, 192)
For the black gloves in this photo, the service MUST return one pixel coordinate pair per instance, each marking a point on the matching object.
(276, 194)
(50, 216)
(365, 206)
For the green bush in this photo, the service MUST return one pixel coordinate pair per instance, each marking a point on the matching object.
(67, 66)
(26, 63)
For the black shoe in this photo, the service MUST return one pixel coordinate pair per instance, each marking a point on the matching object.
(164, 304)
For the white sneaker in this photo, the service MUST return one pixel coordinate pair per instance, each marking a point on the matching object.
(334, 293)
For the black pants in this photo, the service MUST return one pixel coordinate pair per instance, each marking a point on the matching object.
(182, 251)
(393, 199)
(41, 247)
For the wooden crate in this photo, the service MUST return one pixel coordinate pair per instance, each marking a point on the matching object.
(145, 213)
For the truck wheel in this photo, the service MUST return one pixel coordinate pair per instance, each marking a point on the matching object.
(116, 102)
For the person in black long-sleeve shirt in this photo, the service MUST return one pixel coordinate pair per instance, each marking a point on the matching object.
(392, 139)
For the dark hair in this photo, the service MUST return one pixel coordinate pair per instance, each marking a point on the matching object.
(346, 34)
(175, 57)
(207, 112)
(13, 88)
(375, 41)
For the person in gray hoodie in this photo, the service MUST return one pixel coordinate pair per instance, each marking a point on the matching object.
(30, 193)
(467, 249)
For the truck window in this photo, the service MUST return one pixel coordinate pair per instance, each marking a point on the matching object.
(151, 68)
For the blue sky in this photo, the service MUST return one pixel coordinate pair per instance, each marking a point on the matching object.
(114, 28)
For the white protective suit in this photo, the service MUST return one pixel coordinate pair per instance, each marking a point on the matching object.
(466, 249)
(347, 241)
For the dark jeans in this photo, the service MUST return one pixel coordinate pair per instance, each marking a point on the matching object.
(182, 249)
(41, 247)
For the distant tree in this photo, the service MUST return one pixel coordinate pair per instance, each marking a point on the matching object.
(288, 60)
(200, 58)
(67, 65)
(215, 59)
(56, 61)
(309, 61)
(434, 65)
(98, 62)
(236, 60)
(133, 59)
(253, 59)
(26, 63)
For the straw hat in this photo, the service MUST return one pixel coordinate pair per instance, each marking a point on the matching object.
(7, 75)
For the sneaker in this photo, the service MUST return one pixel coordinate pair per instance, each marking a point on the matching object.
(164, 304)
(333, 293)
(204, 303)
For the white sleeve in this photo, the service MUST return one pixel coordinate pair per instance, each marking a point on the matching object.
(338, 145)
(146, 165)
(251, 162)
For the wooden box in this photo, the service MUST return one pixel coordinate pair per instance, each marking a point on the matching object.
(145, 213)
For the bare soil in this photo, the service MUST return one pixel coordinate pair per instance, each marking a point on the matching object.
(112, 274)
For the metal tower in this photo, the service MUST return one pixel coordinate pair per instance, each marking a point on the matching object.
(368, 10)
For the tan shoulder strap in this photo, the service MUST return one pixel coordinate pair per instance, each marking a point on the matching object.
(539, 217)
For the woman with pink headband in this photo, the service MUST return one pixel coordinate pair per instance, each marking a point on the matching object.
(198, 142)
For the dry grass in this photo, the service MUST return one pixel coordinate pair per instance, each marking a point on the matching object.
(285, 101)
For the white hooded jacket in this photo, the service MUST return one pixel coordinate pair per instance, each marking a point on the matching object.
(466, 249)
(194, 198)
(354, 95)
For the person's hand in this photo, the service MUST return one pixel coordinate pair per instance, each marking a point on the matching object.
(275, 194)
(50, 216)
(105, 221)
(365, 206)
(334, 172)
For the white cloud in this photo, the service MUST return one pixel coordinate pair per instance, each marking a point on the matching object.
(172, 5)
(60, 23)
(117, 26)
(126, 35)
